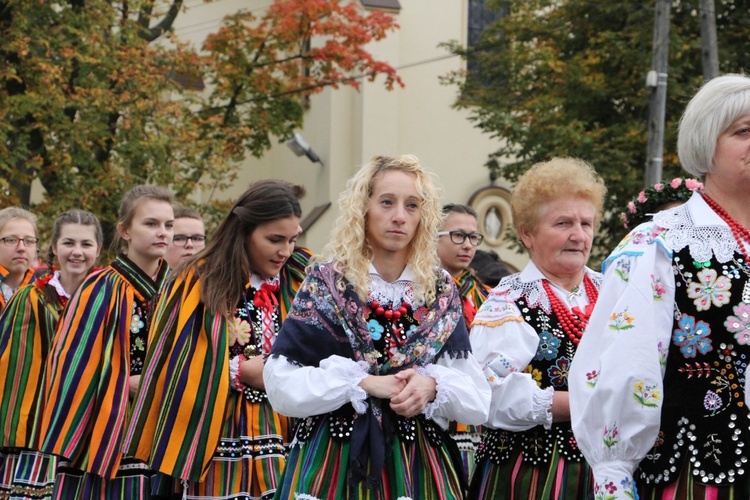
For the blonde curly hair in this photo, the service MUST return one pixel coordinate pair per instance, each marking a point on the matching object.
(349, 248)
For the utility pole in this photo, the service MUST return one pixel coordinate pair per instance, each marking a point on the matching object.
(709, 45)
(657, 81)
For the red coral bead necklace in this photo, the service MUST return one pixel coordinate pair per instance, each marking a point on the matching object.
(572, 325)
(741, 233)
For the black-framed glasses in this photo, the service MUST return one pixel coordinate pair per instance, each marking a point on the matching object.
(181, 240)
(458, 237)
(11, 241)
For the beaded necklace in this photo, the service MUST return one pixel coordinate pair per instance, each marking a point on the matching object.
(573, 325)
(740, 232)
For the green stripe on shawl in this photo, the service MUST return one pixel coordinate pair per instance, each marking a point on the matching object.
(86, 380)
(179, 410)
(26, 329)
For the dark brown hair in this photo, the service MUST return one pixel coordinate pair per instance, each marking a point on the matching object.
(223, 265)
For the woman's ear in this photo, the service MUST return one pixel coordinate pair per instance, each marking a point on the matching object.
(123, 231)
(525, 237)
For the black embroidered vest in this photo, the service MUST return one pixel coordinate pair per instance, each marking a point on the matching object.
(704, 418)
(549, 368)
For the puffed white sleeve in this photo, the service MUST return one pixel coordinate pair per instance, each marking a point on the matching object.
(462, 393)
(303, 391)
(504, 345)
(615, 381)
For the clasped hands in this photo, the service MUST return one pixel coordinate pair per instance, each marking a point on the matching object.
(408, 392)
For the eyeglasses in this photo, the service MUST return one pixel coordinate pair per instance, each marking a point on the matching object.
(11, 241)
(181, 240)
(458, 237)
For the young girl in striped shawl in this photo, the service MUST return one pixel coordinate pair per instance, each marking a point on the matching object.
(202, 414)
(26, 330)
(97, 356)
(375, 356)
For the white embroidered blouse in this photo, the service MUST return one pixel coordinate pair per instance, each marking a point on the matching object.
(504, 344)
(616, 411)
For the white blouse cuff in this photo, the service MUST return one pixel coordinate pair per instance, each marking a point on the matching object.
(542, 406)
(615, 479)
(356, 372)
(441, 395)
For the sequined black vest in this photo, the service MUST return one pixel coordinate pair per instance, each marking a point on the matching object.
(549, 368)
(704, 418)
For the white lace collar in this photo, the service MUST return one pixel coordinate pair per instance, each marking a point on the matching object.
(256, 281)
(695, 225)
(528, 284)
(401, 290)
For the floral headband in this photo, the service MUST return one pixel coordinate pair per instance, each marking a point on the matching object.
(654, 198)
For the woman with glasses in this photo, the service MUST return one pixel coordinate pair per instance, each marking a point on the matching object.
(18, 242)
(526, 333)
(26, 329)
(189, 236)
(374, 356)
(202, 414)
(457, 244)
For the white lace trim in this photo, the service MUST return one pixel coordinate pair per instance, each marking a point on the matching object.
(542, 406)
(357, 396)
(234, 370)
(533, 291)
(385, 293)
(441, 395)
(703, 241)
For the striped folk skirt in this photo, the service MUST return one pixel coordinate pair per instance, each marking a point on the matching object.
(250, 458)
(319, 469)
(26, 474)
(515, 479)
(132, 482)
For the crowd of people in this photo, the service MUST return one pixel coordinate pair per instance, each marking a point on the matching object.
(401, 361)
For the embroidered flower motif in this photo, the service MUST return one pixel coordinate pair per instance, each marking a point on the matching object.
(136, 324)
(376, 329)
(711, 289)
(239, 331)
(536, 374)
(592, 378)
(628, 487)
(621, 321)
(712, 402)
(646, 394)
(692, 338)
(610, 436)
(657, 287)
(138, 345)
(397, 358)
(622, 269)
(548, 346)
(663, 351)
(559, 373)
(739, 324)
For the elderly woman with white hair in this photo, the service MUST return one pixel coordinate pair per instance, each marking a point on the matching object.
(657, 396)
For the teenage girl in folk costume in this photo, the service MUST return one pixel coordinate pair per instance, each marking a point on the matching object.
(26, 330)
(97, 356)
(18, 245)
(375, 355)
(202, 414)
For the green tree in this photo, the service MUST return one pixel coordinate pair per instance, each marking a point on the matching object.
(97, 96)
(567, 78)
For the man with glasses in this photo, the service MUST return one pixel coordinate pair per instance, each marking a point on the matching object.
(189, 236)
(457, 244)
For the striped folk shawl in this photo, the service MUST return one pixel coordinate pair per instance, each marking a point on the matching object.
(86, 381)
(26, 330)
(179, 411)
(28, 278)
(473, 294)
